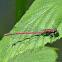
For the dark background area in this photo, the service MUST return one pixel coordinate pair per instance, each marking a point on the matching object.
(57, 44)
(7, 15)
(8, 18)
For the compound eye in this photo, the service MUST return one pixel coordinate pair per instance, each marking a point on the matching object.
(54, 31)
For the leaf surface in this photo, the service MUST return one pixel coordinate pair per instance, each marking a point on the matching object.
(45, 54)
(43, 14)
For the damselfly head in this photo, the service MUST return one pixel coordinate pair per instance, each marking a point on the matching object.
(54, 30)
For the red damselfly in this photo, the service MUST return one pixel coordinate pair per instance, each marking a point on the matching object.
(42, 32)
(50, 32)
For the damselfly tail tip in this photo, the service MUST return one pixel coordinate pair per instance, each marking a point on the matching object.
(6, 34)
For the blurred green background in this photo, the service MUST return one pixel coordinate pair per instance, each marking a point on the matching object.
(10, 13)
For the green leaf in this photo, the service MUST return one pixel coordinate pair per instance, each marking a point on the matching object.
(43, 14)
(45, 54)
